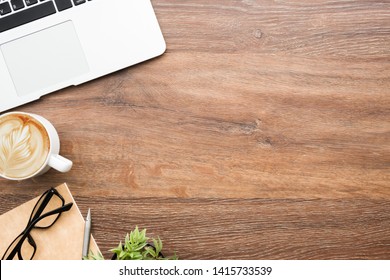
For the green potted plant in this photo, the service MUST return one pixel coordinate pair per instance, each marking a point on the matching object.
(137, 246)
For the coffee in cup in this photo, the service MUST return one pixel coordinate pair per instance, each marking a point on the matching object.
(29, 146)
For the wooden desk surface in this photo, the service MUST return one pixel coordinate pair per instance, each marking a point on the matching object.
(262, 133)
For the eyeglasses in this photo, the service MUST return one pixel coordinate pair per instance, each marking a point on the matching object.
(45, 213)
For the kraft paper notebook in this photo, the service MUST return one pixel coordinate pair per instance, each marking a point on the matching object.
(62, 241)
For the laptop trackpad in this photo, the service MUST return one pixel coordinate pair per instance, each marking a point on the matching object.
(44, 59)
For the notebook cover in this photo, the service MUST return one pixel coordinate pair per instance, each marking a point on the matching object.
(62, 241)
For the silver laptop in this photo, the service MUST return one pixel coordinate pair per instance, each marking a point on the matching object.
(46, 45)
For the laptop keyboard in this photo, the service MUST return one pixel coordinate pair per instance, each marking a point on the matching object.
(14, 13)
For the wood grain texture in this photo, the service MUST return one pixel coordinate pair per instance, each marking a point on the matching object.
(262, 132)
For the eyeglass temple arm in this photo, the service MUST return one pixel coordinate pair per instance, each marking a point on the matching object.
(46, 198)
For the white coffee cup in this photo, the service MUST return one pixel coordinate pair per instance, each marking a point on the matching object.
(29, 147)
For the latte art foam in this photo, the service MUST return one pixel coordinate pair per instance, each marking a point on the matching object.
(24, 146)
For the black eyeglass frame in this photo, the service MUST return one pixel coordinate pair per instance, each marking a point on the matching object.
(34, 219)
